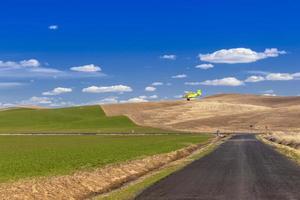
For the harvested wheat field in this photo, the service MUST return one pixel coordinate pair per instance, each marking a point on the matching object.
(225, 112)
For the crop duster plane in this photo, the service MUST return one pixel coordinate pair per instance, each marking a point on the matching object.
(192, 95)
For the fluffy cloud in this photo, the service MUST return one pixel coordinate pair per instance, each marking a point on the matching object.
(6, 105)
(168, 57)
(280, 77)
(157, 83)
(262, 76)
(20, 64)
(86, 68)
(57, 91)
(32, 69)
(134, 100)
(204, 66)
(239, 55)
(180, 76)
(228, 81)
(139, 99)
(105, 89)
(108, 100)
(253, 79)
(150, 89)
(53, 27)
(38, 100)
(271, 95)
(45, 101)
(296, 75)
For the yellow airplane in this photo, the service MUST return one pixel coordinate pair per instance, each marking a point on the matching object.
(192, 95)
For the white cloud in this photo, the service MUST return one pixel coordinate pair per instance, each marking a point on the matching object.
(254, 79)
(38, 100)
(150, 89)
(32, 69)
(6, 105)
(204, 66)
(58, 91)
(168, 57)
(279, 77)
(20, 64)
(108, 100)
(239, 55)
(157, 83)
(296, 75)
(139, 99)
(261, 76)
(228, 81)
(273, 52)
(180, 76)
(270, 94)
(5, 85)
(46, 102)
(105, 89)
(86, 68)
(53, 27)
(135, 100)
(152, 97)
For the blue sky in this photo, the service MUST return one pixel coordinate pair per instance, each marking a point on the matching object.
(61, 53)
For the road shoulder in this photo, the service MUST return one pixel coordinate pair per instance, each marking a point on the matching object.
(290, 152)
(132, 189)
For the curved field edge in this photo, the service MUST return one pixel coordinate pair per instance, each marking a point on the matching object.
(290, 152)
(31, 156)
(85, 184)
(81, 119)
(131, 190)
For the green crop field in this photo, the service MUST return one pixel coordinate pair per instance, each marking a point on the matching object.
(30, 156)
(67, 120)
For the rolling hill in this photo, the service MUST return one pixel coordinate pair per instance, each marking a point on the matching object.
(225, 112)
(84, 119)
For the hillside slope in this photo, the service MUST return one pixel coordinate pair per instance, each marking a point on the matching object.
(82, 119)
(226, 112)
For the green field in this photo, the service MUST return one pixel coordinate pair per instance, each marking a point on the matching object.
(29, 156)
(67, 120)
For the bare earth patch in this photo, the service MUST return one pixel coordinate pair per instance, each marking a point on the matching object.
(86, 184)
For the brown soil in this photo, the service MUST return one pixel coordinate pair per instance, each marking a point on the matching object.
(226, 112)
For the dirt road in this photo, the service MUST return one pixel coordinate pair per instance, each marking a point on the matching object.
(241, 168)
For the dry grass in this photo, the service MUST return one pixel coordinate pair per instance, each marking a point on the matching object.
(228, 113)
(290, 139)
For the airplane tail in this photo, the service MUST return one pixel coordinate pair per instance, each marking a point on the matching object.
(199, 92)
